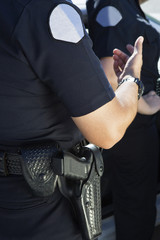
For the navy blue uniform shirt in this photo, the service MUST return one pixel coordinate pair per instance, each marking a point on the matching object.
(48, 72)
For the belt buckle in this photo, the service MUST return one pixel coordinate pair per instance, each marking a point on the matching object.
(3, 164)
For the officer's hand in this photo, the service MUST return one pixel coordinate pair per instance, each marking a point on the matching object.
(149, 104)
(125, 65)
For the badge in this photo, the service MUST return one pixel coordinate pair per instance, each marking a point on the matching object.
(108, 16)
(65, 24)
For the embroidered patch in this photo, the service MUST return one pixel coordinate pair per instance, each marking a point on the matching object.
(65, 24)
(108, 16)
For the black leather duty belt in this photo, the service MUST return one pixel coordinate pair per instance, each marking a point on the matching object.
(10, 163)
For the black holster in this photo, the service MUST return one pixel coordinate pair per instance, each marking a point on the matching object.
(84, 191)
(78, 178)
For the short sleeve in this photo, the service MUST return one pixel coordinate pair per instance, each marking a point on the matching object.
(54, 41)
(107, 28)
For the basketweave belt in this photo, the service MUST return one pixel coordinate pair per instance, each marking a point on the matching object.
(10, 163)
(33, 159)
(37, 155)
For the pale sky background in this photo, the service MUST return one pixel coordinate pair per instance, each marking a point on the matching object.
(151, 7)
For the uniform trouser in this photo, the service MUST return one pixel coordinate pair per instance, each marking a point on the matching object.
(24, 217)
(131, 166)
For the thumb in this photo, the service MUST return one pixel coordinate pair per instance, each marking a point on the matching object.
(138, 46)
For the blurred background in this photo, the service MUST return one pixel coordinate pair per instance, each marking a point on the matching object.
(152, 7)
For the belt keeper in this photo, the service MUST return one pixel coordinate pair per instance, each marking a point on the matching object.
(3, 164)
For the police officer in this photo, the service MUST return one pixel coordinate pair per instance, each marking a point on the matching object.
(131, 165)
(52, 85)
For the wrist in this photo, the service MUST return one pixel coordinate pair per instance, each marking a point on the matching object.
(136, 81)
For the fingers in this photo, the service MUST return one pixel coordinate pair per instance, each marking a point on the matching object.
(120, 57)
(130, 48)
(116, 68)
(119, 61)
(125, 65)
(152, 93)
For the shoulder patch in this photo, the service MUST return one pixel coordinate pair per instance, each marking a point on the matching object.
(65, 24)
(108, 16)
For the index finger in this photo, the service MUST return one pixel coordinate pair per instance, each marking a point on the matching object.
(120, 55)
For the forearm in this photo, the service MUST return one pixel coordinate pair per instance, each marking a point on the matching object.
(107, 125)
(127, 97)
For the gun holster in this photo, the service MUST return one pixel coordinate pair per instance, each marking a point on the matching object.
(78, 178)
(80, 183)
